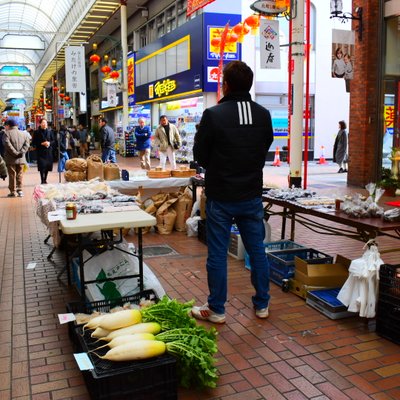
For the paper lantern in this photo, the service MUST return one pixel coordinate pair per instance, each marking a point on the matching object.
(105, 69)
(231, 37)
(253, 22)
(241, 29)
(216, 41)
(114, 74)
(56, 89)
(62, 95)
(67, 98)
(94, 58)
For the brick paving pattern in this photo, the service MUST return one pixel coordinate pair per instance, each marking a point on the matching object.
(297, 353)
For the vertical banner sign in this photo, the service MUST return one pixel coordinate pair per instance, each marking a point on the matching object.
(343, 54)
(194, 5)
(75, 76)
(131, 75)
(112, 94)
(270, 54)
(82, 102)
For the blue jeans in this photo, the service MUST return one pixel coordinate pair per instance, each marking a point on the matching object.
(109, 155)
(248, 216)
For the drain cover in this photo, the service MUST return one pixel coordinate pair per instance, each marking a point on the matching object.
(157, 251)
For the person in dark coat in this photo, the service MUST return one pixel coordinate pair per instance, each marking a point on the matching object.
(44, 144)
(340, 148)
(107, 142)
(231, 144)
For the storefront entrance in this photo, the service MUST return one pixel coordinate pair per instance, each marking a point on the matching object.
(391, 119)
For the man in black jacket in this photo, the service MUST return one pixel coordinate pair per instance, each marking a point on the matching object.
(231, 144)
(107, 142)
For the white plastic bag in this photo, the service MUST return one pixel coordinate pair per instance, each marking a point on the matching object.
(192, 226)
(359, 292)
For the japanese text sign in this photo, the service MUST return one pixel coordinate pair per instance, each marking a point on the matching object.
(269, 44)
(75, 77)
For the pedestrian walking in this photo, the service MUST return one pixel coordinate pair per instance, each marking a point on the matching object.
(16, 144)
(107, 142)
(143, 144)
(44, 143)
(340, 155)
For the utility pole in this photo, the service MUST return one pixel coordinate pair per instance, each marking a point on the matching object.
(296, 122)
(124, 46)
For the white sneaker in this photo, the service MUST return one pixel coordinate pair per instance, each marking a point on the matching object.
(262, 313)
(205, 314)
(20, 193)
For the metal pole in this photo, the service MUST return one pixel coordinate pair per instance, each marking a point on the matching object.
(124, 45)
(307, 116)
(296, 123)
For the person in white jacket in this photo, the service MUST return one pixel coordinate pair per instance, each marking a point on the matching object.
(168, 140)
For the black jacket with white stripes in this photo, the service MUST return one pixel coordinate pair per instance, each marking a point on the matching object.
(231, 143)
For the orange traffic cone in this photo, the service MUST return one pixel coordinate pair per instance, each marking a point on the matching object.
(277, 161)
(322, 157)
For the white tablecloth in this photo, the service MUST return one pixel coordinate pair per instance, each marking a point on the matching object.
(149, 183)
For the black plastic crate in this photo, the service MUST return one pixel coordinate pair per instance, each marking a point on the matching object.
(103, 306)
(282, 266)
(201, 231)
(154, 379)
(388, 309)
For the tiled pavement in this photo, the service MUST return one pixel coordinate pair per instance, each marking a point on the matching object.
(296, 354)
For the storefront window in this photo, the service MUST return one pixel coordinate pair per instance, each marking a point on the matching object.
(392, 61)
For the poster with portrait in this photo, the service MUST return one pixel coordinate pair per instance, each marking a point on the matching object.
(343, 59)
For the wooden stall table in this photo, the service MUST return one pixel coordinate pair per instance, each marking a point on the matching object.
(362, 229)
(106, 223)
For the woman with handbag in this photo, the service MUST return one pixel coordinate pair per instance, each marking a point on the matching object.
(168, 140)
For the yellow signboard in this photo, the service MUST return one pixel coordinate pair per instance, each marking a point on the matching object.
(165, 87)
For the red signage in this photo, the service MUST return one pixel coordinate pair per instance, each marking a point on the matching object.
(194, 5)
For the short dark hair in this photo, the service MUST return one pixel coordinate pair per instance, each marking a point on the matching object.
(163, 116)
(11, 123)
(342, 125)
(238, 76)
(103, 120)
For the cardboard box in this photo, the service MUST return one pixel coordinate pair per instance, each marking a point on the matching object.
(323, 275)
(301, 289)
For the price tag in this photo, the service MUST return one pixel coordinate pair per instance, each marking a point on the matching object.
(83, 361)
(64, 318)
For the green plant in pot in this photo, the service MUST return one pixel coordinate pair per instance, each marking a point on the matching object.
(388, 182)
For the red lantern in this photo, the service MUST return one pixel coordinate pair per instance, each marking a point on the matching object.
(253, 22)
(241, 29)
(231, 37)
(56, 89)
(62, 95)
(94, 58)
(114, 74)
(67, 98)
(105, 70)
(216, 42)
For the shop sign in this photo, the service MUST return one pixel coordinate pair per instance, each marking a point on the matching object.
(269, 44)
(165, 87)
(194, 5)
(75, 74)
(131, 75)
(15, 70)
(213, 52)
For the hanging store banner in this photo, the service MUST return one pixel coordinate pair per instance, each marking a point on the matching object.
(269, 44)
(343, 53)
(112, 99)
(75, 74)
(131, 74)
(82, 102)
(194, 5)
